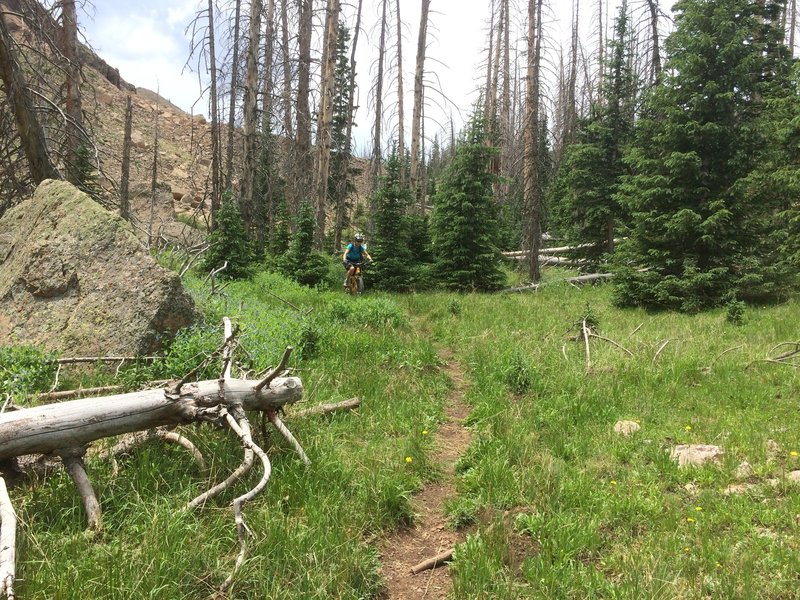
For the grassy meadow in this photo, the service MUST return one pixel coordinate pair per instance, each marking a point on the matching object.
(555, 503)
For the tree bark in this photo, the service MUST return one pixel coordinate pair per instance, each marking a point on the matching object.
(302, 168)
(250, 158)
(351, 111)
(416, 119)
(214, 118)
(401, 117)
(124, 193)
(34, 143)
(375, 161)
(8, 540)
(289, 145)
(237, 13)
(48, 428)
(72, 89)
(325, 120)
(792, 26)
(532, 192)
(655, 56)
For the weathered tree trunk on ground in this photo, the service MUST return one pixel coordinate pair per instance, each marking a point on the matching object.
(32, 137)
(416, 118)
(124, 186)
(237, 13)
(52, 427)
(375, 159)
(401, 117)
(250, 158)
(325, 120)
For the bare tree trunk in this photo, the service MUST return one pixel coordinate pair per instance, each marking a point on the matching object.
(265, 205)
(32, 137)
(600, 48)
(416, 119)
(532, 194)
(289, 146)
(655, 57)
(492, 93)
(8, 541)
(351, 110)
(325, 120)
(72, 89)
(506, 131)
(401, 141)
(250, 158)
(303, 164)
(234, 85)
(214, 118)
(571, 108)
(489, 57)
(124, 195)
(153, 181)
(375, 162)
(792, 26)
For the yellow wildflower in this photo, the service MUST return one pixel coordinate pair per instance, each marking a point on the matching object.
(409, 459)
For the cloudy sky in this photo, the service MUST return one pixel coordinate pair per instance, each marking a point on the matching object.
(148, 42)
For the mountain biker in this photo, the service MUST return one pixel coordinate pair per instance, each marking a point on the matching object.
(354, 253)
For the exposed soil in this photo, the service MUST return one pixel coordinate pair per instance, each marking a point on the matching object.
(430, 535)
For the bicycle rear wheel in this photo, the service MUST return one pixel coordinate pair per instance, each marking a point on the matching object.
(360, 285)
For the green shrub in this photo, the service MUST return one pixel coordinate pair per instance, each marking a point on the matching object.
(26, 369)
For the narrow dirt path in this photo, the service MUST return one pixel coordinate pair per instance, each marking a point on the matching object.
(430, 535)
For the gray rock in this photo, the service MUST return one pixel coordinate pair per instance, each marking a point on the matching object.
(626, 428)
(696, 455)
(74, 279)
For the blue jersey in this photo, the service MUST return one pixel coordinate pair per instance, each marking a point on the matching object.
(355, 253)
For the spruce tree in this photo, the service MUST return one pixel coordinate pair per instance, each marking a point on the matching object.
(696, 233)
(585, 207)
(463, 223)
(229, 242)
(394, 269)
(301, 263)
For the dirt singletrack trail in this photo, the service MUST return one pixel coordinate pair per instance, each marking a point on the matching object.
(430, 535)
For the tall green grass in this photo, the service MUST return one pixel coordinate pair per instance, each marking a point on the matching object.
(552, 502)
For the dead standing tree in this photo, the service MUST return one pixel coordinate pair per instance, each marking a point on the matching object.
(66, 429)
(416, 116)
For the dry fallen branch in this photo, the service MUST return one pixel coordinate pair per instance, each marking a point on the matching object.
(324, 409)
(8, 543)
(573, 280)
(610, 341)
(660, 349)
(631, 334)
(586, 343)
(739, 347)
(432, 563)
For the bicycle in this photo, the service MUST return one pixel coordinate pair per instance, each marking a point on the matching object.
(355, 282)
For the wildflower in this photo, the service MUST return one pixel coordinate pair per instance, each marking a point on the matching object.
(688, 428)
(793, 453)
(698, 508)
(612, 482)
(690, 520)
(686, 549)
(409, 459)
(424, 432)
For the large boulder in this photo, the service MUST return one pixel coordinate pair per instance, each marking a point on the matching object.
(75, 279)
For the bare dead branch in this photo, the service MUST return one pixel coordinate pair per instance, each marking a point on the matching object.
(8, 543)
(660, 348)
(585, 330)
(284, 431)
(610, 341)
(632, 333)
(73, 462)
(432, 563)
(276, 371)
(325, 409)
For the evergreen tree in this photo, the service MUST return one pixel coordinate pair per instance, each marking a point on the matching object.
(229, 242)
(586, 210)
(270, 201)
(300, 262)
(394, 269)
(463, 223)
(695, 230)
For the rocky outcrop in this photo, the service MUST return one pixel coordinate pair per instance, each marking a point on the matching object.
(75, 279)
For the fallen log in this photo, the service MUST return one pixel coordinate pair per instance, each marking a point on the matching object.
(8, 543)
(325, 409)
(591, 278)
(545, 261)
(48, 428)
(432, 563)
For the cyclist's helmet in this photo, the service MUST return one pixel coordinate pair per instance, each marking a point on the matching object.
(359, 237)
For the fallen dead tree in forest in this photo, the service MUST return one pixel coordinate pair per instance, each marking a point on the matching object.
(66, 429)
(591, 278)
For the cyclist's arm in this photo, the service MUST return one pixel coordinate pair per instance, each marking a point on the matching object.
(344, 256)
(367, 255)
